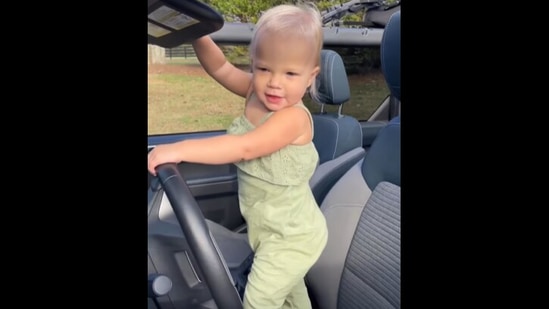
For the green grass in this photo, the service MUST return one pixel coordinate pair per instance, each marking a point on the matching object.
(182, 98)
(180, 60)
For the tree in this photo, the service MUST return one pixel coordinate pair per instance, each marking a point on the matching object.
(243, 10)
(249, 11)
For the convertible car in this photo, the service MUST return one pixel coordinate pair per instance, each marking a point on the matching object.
(198, 254)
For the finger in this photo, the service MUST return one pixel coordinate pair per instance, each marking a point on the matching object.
(152, 171)
(151, 166)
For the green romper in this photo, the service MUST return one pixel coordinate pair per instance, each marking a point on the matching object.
(286, 228)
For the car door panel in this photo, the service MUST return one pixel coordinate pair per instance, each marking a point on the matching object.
(214, 186)
(370, 129)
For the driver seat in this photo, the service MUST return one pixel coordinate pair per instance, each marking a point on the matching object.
(360, 266)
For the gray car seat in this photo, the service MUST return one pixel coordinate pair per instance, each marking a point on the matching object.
(360, 266)
(338, 140)
(337, 137)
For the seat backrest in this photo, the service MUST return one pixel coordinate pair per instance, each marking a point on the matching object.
(360, 266)
(390, 54)
(337, 137)
(383, 161)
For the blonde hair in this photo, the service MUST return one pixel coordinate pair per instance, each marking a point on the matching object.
(302, 19)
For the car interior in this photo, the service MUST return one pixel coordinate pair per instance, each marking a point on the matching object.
(196, 262)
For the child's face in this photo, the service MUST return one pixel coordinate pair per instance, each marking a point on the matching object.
(283, 68)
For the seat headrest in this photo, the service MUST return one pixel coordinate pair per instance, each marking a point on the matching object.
(332, 82)
(390, 54)
(334, 133)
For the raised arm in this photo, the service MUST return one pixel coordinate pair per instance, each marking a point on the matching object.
(216, 65)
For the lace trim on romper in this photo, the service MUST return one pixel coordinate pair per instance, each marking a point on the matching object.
(283, 167)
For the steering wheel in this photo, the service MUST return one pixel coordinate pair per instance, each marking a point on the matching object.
(201, 243)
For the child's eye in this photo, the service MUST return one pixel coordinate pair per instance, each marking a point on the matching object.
(292, 73)
(261, 69)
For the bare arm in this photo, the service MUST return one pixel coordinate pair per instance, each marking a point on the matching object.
(284, 127)
(216, 65)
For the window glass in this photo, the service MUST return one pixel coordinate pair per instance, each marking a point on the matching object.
(183, 98)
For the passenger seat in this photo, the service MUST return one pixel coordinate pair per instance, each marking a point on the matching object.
(337, 137)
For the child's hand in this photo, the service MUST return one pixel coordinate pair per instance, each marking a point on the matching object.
(162, 154)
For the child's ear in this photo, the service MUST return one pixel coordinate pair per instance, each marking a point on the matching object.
(314, 73)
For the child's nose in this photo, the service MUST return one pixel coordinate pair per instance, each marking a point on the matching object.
(274, 81)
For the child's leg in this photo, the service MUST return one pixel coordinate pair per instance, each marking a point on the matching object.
(274, 276)
(298, 297)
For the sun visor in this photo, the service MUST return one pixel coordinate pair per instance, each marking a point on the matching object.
(175, 22)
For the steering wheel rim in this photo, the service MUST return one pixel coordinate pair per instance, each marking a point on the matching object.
(201, 243)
